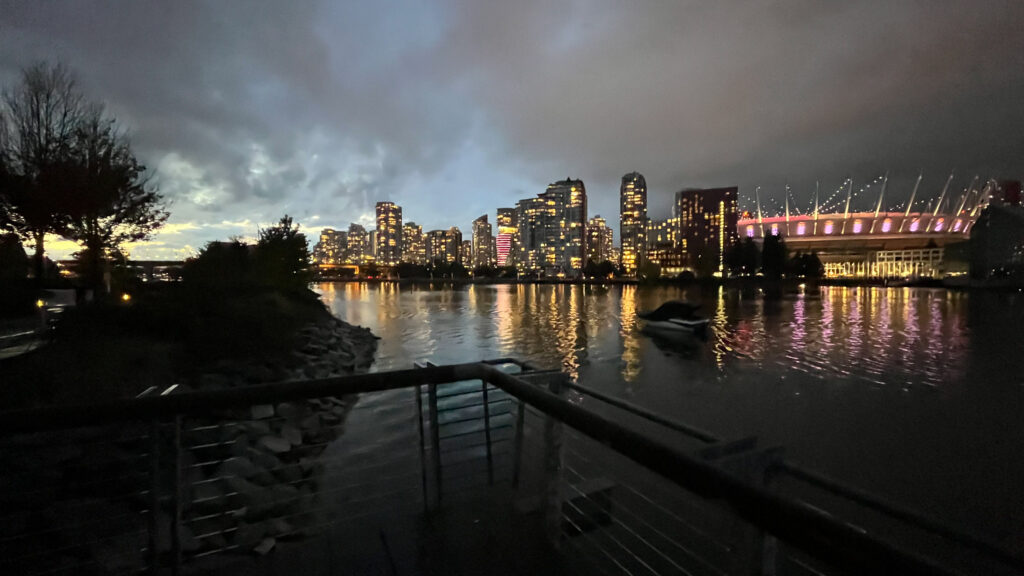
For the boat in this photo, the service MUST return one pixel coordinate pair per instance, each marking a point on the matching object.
(675, 316)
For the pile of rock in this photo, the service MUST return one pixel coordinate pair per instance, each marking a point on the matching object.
(254, 475)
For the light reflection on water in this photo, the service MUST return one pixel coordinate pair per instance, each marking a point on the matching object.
(915, 393)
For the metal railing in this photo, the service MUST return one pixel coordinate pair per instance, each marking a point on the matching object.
(474, 458)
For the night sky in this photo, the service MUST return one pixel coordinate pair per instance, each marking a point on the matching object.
(247, 110)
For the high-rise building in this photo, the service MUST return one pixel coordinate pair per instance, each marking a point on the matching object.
(389, 233)
(414, 249)
(358, 245)
(466, 254)
(599, 240)
(332, 247)
(633, 221)
(663, 246)
(707, 227)
(444, 245)
(505, 243)
(552, 229)
(372, 243)
(481, 244)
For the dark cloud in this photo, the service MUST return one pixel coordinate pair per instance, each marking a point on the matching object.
(452, 109)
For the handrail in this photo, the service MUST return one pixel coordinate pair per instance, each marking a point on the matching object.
(809, 529)
(797, 523)
(832, 485)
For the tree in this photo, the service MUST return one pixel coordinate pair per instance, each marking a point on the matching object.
(282, 256)
(773, 256)
(605, 269)
(742, 258)
(648, 271)
(13, 260)
(39, 122)
(109, 200)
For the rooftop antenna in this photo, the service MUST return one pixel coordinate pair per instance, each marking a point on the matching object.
(910, 205)
(878, 207)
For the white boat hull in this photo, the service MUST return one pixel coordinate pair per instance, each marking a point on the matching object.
(679, 325)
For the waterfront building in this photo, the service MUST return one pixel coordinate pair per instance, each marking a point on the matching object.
(599, 240)
(372, 242)
(358, 245)
(480, 253)
(881, 243)
(388, 242)
(331, 248)
(506, 243)
(436, 243)
(665, 247)
(707, 227)
(997, 243)
(414, 248)
(632, 221)
(552, 229)
(466, 254)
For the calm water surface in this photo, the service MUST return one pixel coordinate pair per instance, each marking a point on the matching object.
(915, 394)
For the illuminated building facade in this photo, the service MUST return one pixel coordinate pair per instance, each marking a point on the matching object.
(414, 248)
(359, 247)
(632, 221)
(599, 240)
(481, 244)
(444, 245)
(707, 225)
(505, 242)
(552, 230)
(332, 247)
(466, 254)
(389, 233)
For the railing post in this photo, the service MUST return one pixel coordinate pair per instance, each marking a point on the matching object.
(487, 433)
(423, 447)
(178, 491)
(517, 449)
(154, 498)
(435, 439)
(552, 494)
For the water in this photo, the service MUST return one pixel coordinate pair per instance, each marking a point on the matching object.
(914, 394)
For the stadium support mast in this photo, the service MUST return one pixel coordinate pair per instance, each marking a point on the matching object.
(910, 205)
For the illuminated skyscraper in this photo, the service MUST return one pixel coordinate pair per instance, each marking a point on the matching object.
(633, 221)
(552, 229)
(707, 227)
(389, 233)
(481, 251)
(358, 245)
(599, 240)
(414, 248)
(466, 254)
(505, 243)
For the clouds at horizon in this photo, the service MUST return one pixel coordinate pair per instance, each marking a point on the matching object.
(247, 111)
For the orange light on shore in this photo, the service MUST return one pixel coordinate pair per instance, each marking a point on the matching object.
(126, 297)
(40, 303)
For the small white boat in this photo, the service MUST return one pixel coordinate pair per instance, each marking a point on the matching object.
(674, 316)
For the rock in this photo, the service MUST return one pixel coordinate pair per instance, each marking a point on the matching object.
(293, 411)
(263, 460)
(261, 411)
(311, 422)
(208, 496)
(265, 546)
(239, 466)
(257, 427)
(275, 444)
(291, 434)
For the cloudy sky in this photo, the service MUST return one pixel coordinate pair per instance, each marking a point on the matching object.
(249, 110)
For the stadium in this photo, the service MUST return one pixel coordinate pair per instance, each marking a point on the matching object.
(918, 239)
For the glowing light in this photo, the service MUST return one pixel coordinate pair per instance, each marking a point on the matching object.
(939, 225)
(750, 231)
(775, 229)
(915, 225)
(957, 225)
(40, 303)
(829, 227)
(857, 226)
(126, 297)
(886, 225)
(800, 229)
